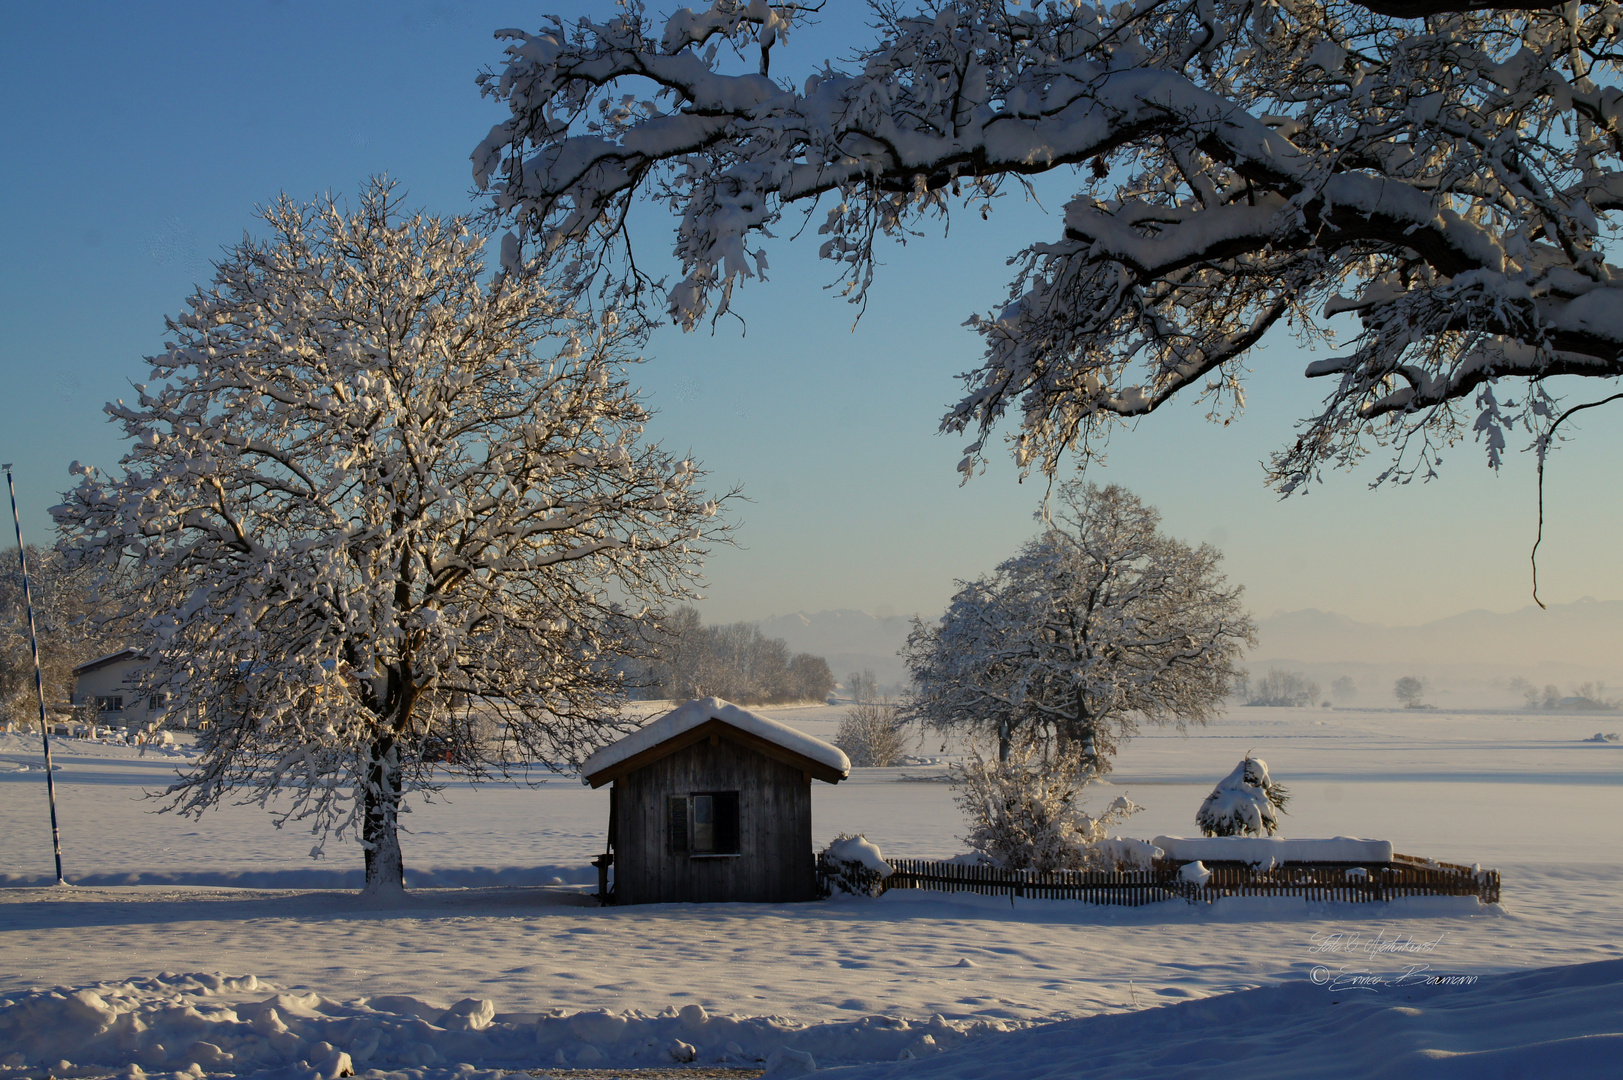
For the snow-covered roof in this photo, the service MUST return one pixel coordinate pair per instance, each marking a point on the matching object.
(1260, 849)
(694, 714)
(111, 658)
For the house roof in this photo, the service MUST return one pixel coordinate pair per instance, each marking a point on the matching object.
(696, 720)
(111, 658)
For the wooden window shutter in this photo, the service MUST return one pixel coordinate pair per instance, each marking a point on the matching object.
(726, 812)
(676, 817)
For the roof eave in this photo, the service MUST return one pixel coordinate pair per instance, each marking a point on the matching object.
(722, 729)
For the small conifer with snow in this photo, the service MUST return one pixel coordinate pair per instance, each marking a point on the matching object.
(1246, 802)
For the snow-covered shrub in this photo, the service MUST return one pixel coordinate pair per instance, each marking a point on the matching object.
(1026, 814)
(853, 865)
(871, 736)
(1246, 802)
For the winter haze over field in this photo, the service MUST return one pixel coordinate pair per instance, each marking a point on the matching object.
(142, 137)
(1467, 659)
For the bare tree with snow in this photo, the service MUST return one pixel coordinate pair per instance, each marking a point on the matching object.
(1098, 624)
(378, 502)
(863, 686)
(871, 735)
(1443, 172)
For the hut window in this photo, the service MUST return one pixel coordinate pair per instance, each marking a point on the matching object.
(704, 823)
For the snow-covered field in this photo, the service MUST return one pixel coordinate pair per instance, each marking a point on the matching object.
(499, 916)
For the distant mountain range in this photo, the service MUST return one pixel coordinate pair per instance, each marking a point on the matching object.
(1476, 652)
(1584, 633)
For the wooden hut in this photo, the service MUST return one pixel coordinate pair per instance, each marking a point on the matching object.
(712, 802)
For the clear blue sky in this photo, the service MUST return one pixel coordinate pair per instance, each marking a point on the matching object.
(138, 139)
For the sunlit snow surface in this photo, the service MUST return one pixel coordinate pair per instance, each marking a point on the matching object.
(1526, 795)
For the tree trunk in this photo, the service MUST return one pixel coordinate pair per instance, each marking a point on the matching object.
(380, 829)
(1080, 730)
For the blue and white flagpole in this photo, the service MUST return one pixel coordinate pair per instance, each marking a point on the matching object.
(39, 680)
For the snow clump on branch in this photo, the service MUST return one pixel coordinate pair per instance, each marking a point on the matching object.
(1445, 172)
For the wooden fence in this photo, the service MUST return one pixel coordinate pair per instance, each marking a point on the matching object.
(1345, 882)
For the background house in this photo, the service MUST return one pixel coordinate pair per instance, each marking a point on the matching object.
(107, 689)
(712, 802)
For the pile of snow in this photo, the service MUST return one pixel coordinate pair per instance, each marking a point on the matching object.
(216, 1025)
(1195, 873)
(859, 849)
(702, 711)
(1274, 851)
(1123, 853)
(1347, 1021)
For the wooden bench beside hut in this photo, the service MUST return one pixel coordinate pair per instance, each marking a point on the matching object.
(711, 802)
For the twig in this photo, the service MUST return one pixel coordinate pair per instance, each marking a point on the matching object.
(1543, 446)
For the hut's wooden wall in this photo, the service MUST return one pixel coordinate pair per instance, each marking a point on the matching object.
(775, 861)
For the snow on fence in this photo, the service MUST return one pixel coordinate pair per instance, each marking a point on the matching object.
(1406, 875)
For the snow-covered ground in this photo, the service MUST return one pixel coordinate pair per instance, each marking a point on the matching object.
(500, 915)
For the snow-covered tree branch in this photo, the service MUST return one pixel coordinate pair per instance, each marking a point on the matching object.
(381, 507)
(1444, 171)
(1097, 625)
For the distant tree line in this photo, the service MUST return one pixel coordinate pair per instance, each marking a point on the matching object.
(1278, 688)
(1586, 697)
(737, 662)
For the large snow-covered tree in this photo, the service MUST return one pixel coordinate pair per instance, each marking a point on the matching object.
(385, 515)
(1444, 172)
(1098, 624)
